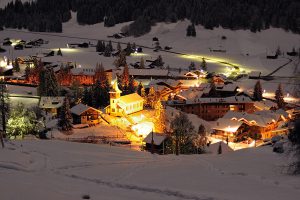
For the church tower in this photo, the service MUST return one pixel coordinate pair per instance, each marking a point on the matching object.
(115, 94)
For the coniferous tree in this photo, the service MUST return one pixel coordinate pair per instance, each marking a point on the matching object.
(107, 51)
(142, 63)
(203, 65)
(125, 76)
(120, 60)
(140, 88)
(294, 138)
(51, 84)
(59, 53)
(258, 93)
(279, 97)
(192, 66)
(100, 47)
(65, 117)
(128, 49)
(119, 48)
(27, 72)
(201, 139)
(131, 85)
(188, 31)
(16, 65)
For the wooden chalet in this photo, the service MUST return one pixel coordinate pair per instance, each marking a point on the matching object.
(83, 114)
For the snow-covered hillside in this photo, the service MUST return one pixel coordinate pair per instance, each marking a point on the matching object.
(63, 171)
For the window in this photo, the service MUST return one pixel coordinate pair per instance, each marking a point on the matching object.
(232, 107)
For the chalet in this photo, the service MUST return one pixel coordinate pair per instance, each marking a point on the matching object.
(237, 125)
(211, 109)
(83, 114)
(123, 105)
(51, 104)
(158, 142)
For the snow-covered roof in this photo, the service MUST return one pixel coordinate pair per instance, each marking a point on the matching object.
(148, 72)
(228, 87)
(131, 98)
(258, 119)
(227, 125)
(157, 138)
(233, 99)
(51, 102)
(264, 105)
(81, 108)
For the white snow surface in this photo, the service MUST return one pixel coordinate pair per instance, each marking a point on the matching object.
(33, 169)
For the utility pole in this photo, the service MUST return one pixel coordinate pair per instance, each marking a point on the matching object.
(152, 143)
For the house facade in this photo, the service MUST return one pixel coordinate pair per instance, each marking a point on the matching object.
(83, 114)
(211, 109)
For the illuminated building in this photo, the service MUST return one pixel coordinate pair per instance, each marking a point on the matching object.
(123, 105)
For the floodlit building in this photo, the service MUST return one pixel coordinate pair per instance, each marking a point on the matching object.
(265, 124)
(123, 105)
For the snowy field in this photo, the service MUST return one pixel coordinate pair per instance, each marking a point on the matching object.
(63, 171)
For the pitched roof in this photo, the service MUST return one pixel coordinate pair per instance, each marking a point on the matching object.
(81, 108)
(227, 125)
(131, 98)
(51, 102)
(157, 138)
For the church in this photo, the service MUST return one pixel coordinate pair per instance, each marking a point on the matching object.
(123, 105)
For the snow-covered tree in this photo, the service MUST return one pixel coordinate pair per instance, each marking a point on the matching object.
(21, 122)
(128, 49)
(183, 133)
(65, 117)
(100, 47)
(279, 97)
(258, 93)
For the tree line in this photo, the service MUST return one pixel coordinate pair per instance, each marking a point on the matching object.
(256, 15)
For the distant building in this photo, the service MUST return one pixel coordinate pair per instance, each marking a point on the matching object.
(83, 114)
(51, 104)
(123, 105)
(211, 109)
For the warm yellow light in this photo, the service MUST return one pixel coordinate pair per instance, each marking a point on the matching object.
(68, 50)
(143, 129)
(139, 54)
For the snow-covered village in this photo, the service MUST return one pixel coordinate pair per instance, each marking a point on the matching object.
(115, 99)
